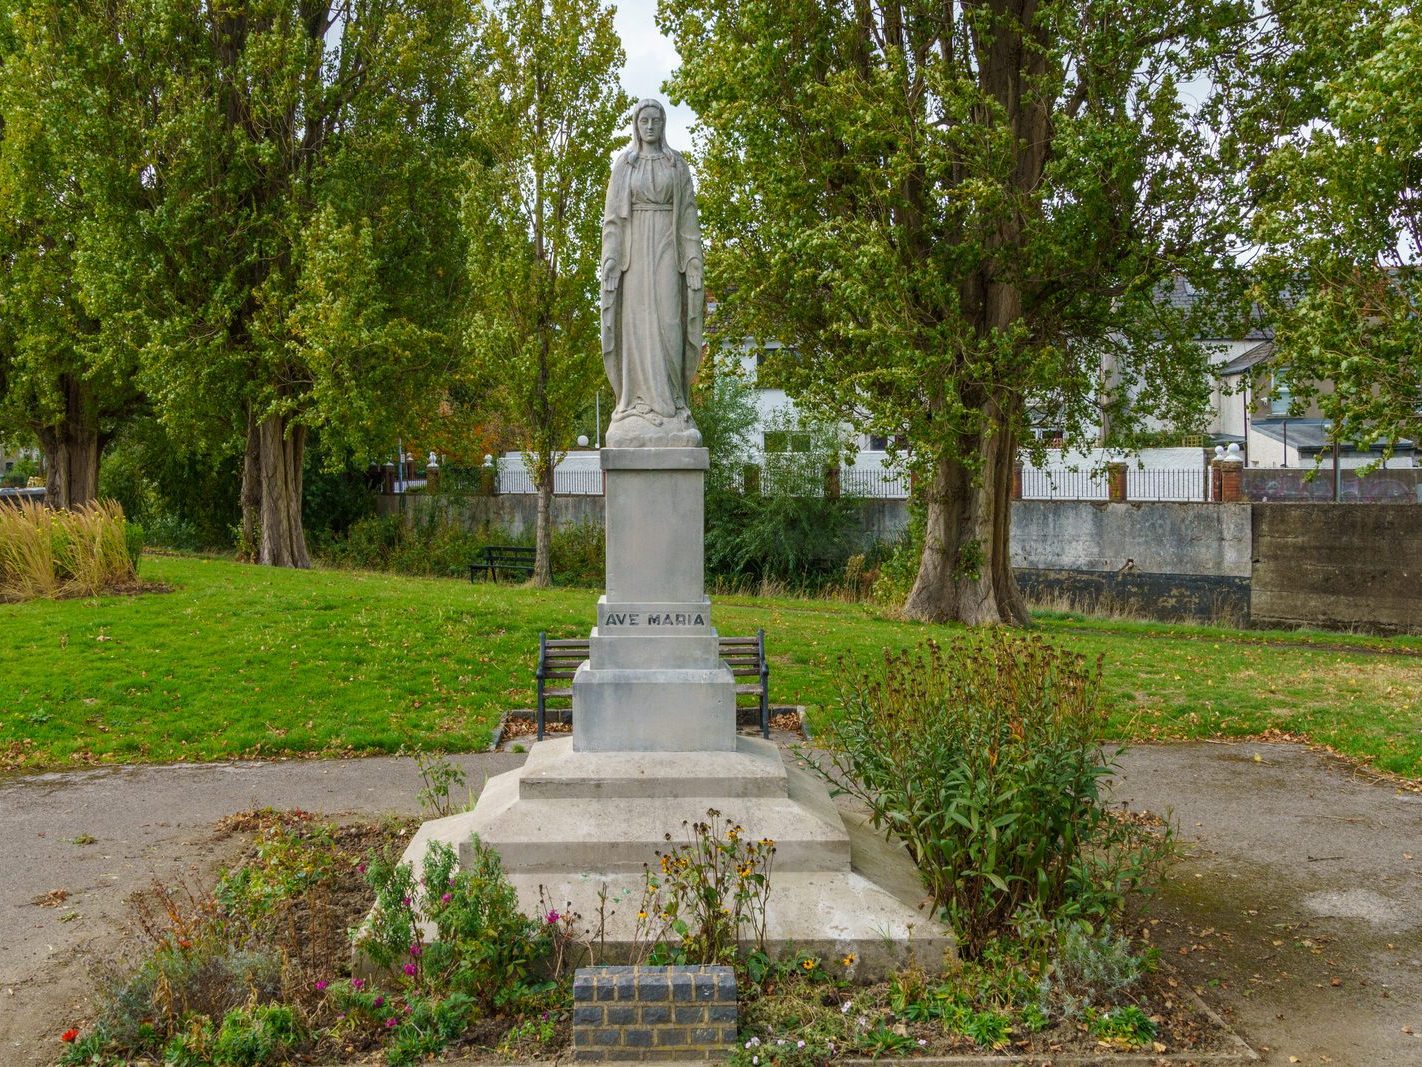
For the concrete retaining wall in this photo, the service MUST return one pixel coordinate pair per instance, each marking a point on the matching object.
(1350, 566)
(1339, 566)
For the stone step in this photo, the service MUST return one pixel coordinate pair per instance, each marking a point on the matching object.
(555, 772)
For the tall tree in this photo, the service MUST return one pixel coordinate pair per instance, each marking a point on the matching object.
(1341, 220)
(299, 262)
(67, 146)
(534, 211)
(962, 214)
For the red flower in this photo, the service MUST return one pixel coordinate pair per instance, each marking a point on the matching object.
(71, 1034)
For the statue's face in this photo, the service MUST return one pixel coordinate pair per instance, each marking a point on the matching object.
(650, 124)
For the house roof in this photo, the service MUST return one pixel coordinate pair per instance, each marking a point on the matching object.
(1312, 435)
(1248, 358)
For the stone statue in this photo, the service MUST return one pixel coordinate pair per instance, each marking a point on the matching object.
(652, 293)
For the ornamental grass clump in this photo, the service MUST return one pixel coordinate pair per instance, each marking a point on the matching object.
(46, 553)
(985, 759)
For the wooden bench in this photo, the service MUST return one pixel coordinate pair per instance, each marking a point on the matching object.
(494, 559)
(558, 660)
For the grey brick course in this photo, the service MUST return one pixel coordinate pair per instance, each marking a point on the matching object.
(653, 1013)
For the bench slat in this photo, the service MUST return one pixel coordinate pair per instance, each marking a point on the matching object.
(560, 659)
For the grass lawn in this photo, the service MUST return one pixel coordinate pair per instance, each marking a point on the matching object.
(254, 662)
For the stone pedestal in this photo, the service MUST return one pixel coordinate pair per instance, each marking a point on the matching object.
(654, 747)
(654, 680)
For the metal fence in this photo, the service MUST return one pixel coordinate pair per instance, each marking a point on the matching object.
(576, 482)
(1061, 483)
(1168, 484)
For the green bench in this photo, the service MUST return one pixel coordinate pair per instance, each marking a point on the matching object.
(559, 659)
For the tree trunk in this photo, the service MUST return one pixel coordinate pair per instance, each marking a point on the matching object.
(965, 574)
(281, 446)
(71, 448)
(251, 499)
(543, 528)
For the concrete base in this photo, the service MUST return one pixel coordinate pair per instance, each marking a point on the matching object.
(576, 831)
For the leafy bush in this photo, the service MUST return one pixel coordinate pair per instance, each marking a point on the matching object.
(48, 553)
(802, 542)
(484, 948)
(579, 554)
(985, 760)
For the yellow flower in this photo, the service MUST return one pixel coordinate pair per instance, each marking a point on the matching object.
(848, 961)
(809, 964)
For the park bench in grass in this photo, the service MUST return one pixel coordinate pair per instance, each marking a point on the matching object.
(503, 559)
(558, 660)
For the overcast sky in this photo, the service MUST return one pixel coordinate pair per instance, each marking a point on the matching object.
(650, 59)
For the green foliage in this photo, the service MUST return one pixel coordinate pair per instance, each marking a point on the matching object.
(1340, 219)
(708, 893)
(985, 760)
(1125, 1025)
(484, 947)
(252, 1036)
(184, 499)
(789, 533)
(439, 775)
(956, 246)
(533, 212)
(287, 865)
(580, 554)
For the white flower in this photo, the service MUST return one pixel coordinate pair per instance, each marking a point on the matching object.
(799, 1044)
(844, 1008)
(755, 1061)
(923, 1040)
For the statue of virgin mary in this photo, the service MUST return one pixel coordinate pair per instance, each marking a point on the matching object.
(652, 289)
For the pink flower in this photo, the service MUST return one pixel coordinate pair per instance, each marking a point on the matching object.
(390, 1023)
(415, 949)
(321, 985)
(552, 917)
(410, 969)
(446, 898)
(406, 901)
(378, 1002)
(357, 984)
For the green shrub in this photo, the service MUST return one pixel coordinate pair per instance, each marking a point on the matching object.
(252, 1036)
(579, 554)
(985, 760)
(484, 947)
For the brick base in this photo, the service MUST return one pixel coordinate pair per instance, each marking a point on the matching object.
(653, 1013)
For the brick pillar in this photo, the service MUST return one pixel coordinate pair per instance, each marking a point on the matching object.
(1215, 481)
(1231, 482)
(1017, 480)
(488, 480)
(387, 478)
(750, 475)
(832, 482)
(432, 478)
(1116, 483)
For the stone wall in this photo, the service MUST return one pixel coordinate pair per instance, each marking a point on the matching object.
(1338, 566)
(515, 513)
(1162, 560)
(1351, 566)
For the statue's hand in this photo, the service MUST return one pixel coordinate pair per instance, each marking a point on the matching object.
(693, 274)
(609, 274)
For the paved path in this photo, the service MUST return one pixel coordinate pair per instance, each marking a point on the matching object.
(1298, 905)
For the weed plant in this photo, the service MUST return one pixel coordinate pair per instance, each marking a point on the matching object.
(985, 759)
(708, 893)
(46, 553)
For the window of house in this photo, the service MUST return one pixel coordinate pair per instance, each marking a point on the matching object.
(878, 442)
(781, 441)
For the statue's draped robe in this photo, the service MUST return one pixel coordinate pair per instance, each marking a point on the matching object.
(651, 320)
